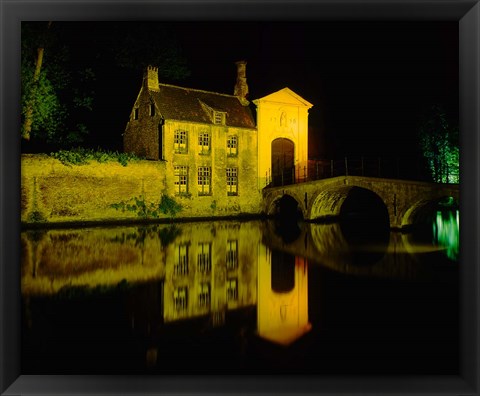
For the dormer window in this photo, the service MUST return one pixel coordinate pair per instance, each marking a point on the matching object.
(218, 117)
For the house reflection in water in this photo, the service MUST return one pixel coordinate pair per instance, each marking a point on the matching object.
(211, 269)
(174, 274)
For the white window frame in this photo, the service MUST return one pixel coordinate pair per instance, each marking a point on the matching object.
(204, 180)
(232, 145)
(232, 181)
(180, 173)
(180, 141)
(218, 117)
(204, 143)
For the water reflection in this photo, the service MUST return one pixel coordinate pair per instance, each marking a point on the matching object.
(282, 307)
(211, 276)
(446, 233)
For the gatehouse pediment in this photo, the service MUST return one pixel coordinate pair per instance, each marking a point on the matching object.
(286, 97)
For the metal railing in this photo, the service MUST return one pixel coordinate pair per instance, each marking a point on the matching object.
(406, 168)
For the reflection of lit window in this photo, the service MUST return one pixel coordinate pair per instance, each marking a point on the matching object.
(204, 295)
(204, 143)
(180, 141)
(232, 181)
(181, 260)
(231, 259)
(180, 298)
(204, 180)
(204, 259)
(232, 145)
(218, 318)
(232, 289)
(180, 179)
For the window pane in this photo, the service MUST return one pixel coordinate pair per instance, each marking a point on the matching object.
(180, 179)
(180, 141)
(204, 180)
(232, 145)
(232, 181)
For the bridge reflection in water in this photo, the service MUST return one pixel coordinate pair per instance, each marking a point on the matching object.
(190, 292)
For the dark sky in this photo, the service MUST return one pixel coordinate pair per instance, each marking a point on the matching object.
(370, 82)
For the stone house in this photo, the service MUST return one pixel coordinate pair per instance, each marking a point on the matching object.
(212, 147)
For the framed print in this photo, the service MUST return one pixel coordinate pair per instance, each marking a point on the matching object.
(239, 198)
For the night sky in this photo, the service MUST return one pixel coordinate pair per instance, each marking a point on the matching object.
(370, 82)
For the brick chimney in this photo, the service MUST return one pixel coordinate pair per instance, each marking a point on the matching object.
(241, 87)
(150, 78)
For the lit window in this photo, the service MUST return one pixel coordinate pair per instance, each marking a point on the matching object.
(218, 118)
(232, 289)
(204, 177)
(204, 143)
(204, 259)
(180, 179)
(232, 145)
(180, 142)
(152, 109)
(135, 113)
(232, 181)
(204, 295)
(180, 298)
(232, 254)
(180, 266)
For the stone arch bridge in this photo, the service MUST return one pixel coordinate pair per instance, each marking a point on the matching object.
(321, 200)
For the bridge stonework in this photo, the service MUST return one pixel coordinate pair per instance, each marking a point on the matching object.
(322, 199)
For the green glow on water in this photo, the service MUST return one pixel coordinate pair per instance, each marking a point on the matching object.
(446, 232)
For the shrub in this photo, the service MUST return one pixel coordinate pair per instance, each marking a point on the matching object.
(81, 156)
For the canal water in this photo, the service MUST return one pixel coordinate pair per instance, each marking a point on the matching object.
(241, 297)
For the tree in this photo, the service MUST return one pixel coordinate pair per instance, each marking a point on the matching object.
(439, 142)
(48, 93)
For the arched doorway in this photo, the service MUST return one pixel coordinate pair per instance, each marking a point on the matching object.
(283, 162)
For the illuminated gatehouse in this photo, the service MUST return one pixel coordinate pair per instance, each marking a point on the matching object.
(212, 147)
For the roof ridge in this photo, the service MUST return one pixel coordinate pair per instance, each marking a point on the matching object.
(197, 90)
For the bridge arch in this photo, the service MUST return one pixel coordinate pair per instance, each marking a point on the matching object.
(421, 210)
(347, 201)
(286, 205)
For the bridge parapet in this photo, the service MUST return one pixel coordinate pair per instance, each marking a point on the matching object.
(323, 199)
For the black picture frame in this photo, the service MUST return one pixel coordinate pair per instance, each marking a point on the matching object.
(466, 12)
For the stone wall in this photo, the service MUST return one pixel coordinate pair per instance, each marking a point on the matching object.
(52, 192)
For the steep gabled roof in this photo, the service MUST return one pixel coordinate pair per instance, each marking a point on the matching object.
(186, 104)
